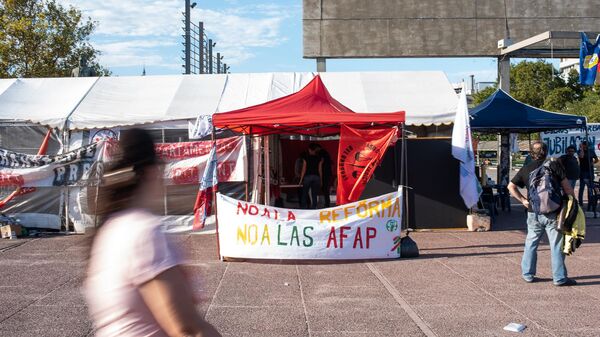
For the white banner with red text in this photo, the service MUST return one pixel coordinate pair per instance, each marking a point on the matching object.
(366, 229)
(185, 162)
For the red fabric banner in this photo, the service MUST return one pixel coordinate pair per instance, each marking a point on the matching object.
(359, 154)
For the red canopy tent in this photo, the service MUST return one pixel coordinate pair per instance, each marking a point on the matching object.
(310, 111)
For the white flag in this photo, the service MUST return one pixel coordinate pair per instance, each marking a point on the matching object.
(201, 128)
(462, 149)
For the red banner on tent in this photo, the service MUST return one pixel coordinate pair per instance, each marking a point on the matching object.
(185, 162)
(359, 154)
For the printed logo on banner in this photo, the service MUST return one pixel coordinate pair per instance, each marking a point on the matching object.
(360, 230)
(360, 151)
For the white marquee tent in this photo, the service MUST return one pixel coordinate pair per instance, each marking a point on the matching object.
(87, 103)
(171, 102)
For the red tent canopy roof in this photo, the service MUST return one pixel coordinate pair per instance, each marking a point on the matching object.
(310, 111)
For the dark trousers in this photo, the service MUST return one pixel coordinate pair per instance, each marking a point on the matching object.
(325, 190)
(585, 182)
(310, 183)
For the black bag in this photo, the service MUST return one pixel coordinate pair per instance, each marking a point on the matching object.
(408, 247)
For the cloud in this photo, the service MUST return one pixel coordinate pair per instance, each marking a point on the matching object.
(137, 29)
(134, 53)
(237, 34)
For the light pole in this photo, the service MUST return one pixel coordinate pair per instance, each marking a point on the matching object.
(219, 58)
(211, 44)
(201, 46)
(188, 49)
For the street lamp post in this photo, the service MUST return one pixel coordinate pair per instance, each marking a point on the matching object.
(201, 46)
(188, 49)
(219, 58)
(210, 55)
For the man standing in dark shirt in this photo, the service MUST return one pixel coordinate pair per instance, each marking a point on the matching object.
(571, 165)
(587, 159)
(538, 223)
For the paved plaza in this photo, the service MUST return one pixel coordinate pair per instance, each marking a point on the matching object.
(464, 284)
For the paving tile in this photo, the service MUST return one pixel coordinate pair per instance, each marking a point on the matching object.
(473, 320)
(47, 321)
(259, 321)
(256, 284)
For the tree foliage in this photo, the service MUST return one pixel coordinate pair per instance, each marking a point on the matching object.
(483, 94)
(532, 82)
(588, 105)
(41, 38)
(537, 83)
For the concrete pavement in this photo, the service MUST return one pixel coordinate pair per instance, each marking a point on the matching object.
(464, 284)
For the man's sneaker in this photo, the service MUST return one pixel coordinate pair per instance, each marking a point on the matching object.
(569, 282)
(530, 279)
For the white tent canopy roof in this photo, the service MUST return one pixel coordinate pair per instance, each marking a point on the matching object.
(5, 83)
(46, 101)
(427, 97)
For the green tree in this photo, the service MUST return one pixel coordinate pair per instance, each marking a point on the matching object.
(558, 98)
(483, 94)
(588, 105)
(41, 38)
(532, 82)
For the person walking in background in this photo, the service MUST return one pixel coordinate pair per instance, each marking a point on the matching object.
(327, 175)
(311, 177)
(571, 165)
(538, 223)
(587, 159)
(135, 284)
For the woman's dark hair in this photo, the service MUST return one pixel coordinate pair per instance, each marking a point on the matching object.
(123, 177)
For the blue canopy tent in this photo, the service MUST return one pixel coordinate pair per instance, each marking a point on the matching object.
(500, 113)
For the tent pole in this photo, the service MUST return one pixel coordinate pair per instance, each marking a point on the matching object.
(214, 196)
(248, 156)
(404, 176)
(266, 151)
(590, 165)
(165, 208)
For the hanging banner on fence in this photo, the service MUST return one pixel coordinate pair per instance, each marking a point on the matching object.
(360, 151)
(67, 169)
(185, 162)
(559, 140)
(367, 229)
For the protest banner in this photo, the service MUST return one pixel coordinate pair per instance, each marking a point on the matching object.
(360, 151)
(367, 229)
(185, 162)
(559, 140)
(67, 169)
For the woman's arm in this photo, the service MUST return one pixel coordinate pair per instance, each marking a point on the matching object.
(303, 171)
(321, 171)
(169, 298)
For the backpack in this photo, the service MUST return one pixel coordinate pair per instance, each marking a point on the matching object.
(544, 190)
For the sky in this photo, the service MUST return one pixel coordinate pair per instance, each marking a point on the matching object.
(253, 36)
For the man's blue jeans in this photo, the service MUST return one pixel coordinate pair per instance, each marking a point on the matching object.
(573, 182)
(536, 225)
